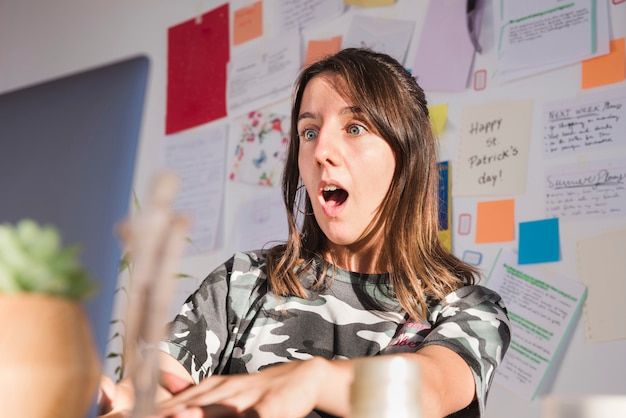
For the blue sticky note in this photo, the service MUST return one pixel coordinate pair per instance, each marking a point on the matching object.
(539, 241)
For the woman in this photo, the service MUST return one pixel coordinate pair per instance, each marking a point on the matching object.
(361, 274)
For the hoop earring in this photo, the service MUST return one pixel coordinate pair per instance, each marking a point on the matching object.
(300, 199)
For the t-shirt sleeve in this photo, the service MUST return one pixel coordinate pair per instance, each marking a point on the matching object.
(473, 322)
(198, 334)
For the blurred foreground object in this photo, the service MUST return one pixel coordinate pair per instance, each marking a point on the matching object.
(155, 240)
(48, 357)
(385, 387)
(584, 406)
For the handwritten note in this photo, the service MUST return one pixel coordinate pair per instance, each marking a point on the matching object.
(540, 35)
(541, 309)
(597, 189)
(288, 15)
(493, 149)
(259, 78)
(198, 157)
(584, 125)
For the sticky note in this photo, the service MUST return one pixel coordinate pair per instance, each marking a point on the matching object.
(480, 80)
(473, 258)
(605, 69)
(318, 49)
(196, 48)
(438, 116)
(539, 241)
(445, 229)
(495, 221)
(248, 23)
(465, 224)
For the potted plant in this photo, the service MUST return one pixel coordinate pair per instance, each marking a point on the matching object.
(49, 361)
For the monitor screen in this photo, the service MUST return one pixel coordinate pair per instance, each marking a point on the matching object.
(67, 157)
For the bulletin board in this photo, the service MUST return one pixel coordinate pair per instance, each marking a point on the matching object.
(530, 115)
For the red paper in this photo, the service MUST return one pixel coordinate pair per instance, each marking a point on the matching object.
(198, 52)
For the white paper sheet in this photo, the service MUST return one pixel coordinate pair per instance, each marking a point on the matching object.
(259, 76)
(601, 266)
(541, 308)
(535, 36)
(586, 124)
(586, 190)
(290, 15)
(391, 36)
(261, 223)
(493, 149)
(198, 157)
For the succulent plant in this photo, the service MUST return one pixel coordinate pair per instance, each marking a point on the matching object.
(33, 259)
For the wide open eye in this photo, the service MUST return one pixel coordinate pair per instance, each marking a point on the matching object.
(356, 130)
(308, 134)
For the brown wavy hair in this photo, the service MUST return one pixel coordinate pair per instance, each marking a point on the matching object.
(395, 105)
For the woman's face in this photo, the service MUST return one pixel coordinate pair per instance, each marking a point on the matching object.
(345, 168)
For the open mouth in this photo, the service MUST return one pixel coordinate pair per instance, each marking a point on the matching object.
(334, 195)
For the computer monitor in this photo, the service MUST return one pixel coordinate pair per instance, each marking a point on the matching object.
(67, 158)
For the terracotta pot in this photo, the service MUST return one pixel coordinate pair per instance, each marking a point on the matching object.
(49, 364)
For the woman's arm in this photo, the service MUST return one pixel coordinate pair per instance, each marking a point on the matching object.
(294, 389)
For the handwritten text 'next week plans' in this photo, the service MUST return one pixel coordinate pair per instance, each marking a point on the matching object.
(584, 125)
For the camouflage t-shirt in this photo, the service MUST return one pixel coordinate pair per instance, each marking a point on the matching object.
(233, 323)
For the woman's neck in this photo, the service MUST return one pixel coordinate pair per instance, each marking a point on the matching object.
(356, 258)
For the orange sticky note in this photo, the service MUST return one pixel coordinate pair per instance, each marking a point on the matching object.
(317, 49)
(606, 69)
(495, 221)
(248, 23)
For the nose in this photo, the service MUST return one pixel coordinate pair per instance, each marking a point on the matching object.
(327, 148)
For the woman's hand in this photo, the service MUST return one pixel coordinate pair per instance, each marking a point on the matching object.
(114, 401)
(284, 391)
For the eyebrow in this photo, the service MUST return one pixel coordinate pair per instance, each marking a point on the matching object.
(348, 110)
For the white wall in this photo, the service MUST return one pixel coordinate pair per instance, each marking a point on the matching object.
(44, 39)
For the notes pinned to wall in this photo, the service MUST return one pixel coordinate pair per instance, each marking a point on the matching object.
(258, 78)
(605, 69)
(198, 158)
(601, 266)
(542, 35)
(261, 150)
(195, 48)
(319, 48)
(391, 36)
(445, 52)
(585, 124)
(495, 221)
(248, 23)
(493, 149)
(586, 191)
(445, 203)
(541, 308)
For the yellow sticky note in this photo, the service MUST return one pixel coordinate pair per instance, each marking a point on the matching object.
(606, 69)
(317, 49)
(369, 3)
(248, 23)
(495, 221)
(438, 116)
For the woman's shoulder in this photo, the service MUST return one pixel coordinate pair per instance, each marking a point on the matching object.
(245, 261)
(471, 299)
